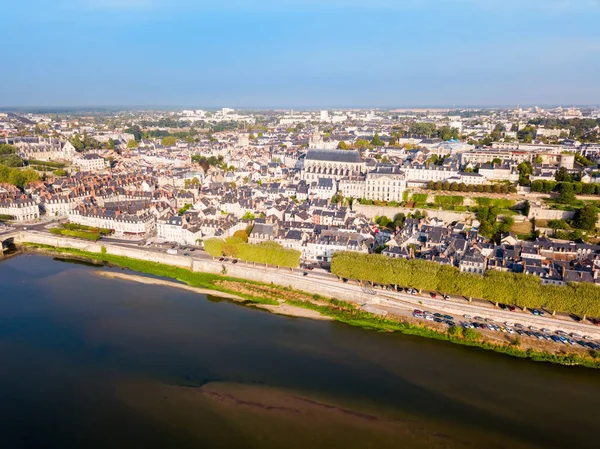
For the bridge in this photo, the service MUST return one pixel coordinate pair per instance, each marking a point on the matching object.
(7, 243)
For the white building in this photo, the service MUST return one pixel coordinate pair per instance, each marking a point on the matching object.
(20, 210)
(123, 224)
(90, 162)
(385, 183)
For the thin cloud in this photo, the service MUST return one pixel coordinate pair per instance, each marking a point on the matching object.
(118, 4)
(228, 5)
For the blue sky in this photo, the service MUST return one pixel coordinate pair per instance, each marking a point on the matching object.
(300, 53)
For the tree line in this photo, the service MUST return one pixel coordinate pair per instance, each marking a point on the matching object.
(497, 286)
(271, 253)
(462, 187)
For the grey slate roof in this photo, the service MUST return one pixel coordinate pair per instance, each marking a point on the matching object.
(351, 156)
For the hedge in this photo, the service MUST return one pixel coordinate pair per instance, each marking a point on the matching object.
(497, 286)
(449, 200)
(500, 203)
(419, 197)
(86, 235)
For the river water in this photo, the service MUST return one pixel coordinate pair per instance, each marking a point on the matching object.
(91, 362)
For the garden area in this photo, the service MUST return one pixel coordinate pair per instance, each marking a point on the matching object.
(80, 231)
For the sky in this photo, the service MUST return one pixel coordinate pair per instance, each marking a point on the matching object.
(299, 53)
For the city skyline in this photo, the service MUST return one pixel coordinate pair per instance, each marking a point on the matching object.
(331, 54)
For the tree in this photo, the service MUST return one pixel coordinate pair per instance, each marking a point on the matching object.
(110, 145)
(422, 128)
(567, 193)
(361, 144)
(557, 224)
(242, 235)
(376, 141)
(538, 159)
(447, 133)
(562, 175)
(343, 145)
(132, 144)
(383, 221)
(169, 141)
(9, 156)
(76, 142)
(526, 208)
(586, 218)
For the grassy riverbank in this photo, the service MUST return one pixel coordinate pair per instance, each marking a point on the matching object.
(339, 310)
(193, 279)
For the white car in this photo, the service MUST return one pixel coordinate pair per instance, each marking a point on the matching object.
(428, 317)
(509, 324)
(510, 330)
(467, 316)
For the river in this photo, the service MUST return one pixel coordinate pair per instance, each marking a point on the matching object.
(91, 362)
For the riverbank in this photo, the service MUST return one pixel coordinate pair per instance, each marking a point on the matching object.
(155, 281)
(273, 295)
(280, 309)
